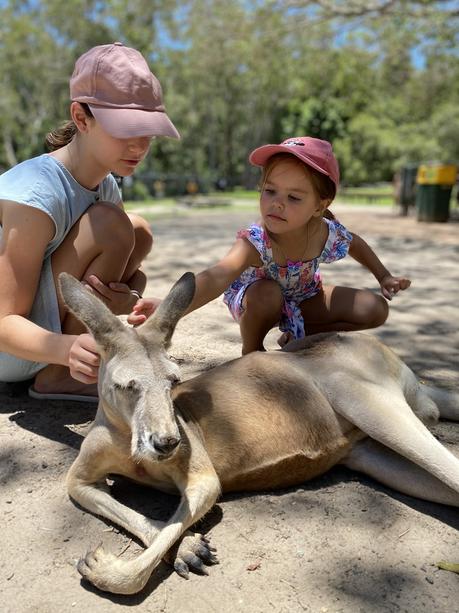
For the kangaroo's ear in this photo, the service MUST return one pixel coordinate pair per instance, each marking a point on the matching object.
(96, 316)
(161, 325)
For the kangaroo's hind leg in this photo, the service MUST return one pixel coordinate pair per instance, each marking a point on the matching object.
(382, 412)
(391, 469)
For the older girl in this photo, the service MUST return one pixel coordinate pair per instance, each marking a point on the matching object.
(62, 211)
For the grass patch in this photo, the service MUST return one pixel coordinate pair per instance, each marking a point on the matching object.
(367, 194)
(245, 194)
(129, 205)
(243, 200)
(352, 199)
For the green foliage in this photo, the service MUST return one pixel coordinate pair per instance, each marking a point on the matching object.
(136, 191)
(371, 147)
(239, 74)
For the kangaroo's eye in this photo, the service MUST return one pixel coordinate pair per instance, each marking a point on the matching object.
(130, 386)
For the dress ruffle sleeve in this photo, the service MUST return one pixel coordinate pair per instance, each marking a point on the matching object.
(338, 242)
(256, 235)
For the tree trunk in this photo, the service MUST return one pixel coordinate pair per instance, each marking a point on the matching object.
(8, 148)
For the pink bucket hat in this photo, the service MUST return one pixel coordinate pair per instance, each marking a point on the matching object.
(312, 151)
(123, 95)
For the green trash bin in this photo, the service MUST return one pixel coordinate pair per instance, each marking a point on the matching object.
(407, 188)
(433, 192)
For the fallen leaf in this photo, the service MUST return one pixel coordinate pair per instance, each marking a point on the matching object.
(451, 566)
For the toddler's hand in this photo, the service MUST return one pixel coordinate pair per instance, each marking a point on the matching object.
(143, 308)
(392, 285)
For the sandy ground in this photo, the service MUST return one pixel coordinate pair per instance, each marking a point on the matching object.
(341, 543)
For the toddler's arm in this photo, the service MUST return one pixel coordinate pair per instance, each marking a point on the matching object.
(364, 254)
(213, 281)
(210, 283)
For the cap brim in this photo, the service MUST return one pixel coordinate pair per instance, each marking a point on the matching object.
(260, 156)
(132, 123)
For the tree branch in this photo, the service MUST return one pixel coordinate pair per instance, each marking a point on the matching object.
(330, 9)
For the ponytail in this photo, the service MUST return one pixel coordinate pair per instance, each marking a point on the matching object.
(64, 134)
(61, 136)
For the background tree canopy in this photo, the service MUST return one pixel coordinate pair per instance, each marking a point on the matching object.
(379, 78)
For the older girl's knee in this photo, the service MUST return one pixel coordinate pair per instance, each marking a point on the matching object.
(111, 226)
(143, 237)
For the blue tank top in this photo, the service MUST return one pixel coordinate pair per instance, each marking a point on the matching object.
(44, 183)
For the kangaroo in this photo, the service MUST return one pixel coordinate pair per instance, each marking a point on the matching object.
(265, 420)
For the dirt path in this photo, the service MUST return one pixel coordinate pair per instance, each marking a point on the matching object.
(341, 543)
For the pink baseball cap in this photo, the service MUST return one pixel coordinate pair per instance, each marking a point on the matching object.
(312, 151)
(123, 95)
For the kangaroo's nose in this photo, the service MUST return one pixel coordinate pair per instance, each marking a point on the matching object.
(164, 444)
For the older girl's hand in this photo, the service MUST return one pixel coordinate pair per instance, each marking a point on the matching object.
(117, 296)
(392, 285)
(83, 359)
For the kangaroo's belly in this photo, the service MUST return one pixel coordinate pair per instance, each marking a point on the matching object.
(267, 425)
(278, 470)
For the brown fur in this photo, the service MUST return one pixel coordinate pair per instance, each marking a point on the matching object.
(265, 420)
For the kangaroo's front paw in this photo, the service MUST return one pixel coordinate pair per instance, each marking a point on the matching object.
(109, 573)
(190, 554)
(94, 566)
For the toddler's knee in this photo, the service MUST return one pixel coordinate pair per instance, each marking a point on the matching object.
(265, 295)
(380, 311)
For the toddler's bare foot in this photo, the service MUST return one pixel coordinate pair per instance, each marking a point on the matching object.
(246, 350)
(285, 338)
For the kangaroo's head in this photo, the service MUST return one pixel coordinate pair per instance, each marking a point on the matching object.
(136, 374)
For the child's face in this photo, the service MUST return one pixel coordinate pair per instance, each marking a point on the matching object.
(118, 155)
(288, 200)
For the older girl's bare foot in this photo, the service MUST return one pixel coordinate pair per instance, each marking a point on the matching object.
(57, 380)
(70, 387)
(86, 393)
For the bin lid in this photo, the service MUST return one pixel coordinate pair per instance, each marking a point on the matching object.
(436, 174)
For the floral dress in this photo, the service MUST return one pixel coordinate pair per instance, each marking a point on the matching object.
(298, 280)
